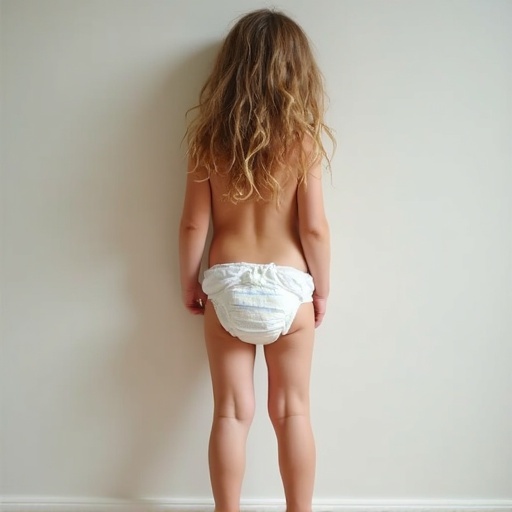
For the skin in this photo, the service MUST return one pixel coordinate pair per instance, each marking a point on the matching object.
(294, 234)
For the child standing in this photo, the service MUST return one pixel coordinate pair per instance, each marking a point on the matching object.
(255, 166)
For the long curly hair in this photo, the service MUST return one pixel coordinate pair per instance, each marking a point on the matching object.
(263, 98)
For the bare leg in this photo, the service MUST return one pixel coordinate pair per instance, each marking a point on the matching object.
(289, 369)
(231, 367)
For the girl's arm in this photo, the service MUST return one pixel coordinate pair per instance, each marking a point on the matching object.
(315, 237)
(194, 224)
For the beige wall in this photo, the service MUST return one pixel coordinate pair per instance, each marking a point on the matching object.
(105, 384)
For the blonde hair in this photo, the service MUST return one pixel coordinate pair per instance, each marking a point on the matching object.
(263, 98)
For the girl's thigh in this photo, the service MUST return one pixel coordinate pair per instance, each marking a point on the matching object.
(231, 368)
(289, 366)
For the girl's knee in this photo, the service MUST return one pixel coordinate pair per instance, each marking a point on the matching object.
(240, 409)
(282, 407)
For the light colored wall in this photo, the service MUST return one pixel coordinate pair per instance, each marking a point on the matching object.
(105, 384)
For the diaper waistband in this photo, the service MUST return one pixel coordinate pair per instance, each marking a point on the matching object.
(223, 274)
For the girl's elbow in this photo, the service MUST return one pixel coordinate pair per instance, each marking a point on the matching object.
(316, 232)
(192, 226)
(318, 229)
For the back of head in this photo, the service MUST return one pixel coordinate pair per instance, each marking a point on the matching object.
(263, 97)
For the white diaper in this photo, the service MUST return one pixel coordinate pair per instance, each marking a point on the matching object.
(257, 302)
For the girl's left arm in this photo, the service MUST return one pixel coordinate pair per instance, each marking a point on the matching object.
(194, 223)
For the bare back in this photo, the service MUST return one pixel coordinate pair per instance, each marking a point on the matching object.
(256, 231)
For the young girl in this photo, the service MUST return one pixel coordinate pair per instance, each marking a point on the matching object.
(255, 166)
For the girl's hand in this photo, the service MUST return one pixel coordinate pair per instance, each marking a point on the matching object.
(195, 299)
(319, 305)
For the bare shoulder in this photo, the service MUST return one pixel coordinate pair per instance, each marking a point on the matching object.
(307, 150)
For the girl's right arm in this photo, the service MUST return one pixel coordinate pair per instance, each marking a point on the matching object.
(315, 236)
(194, 223)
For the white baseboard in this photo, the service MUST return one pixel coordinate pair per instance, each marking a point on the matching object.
(57, 504)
